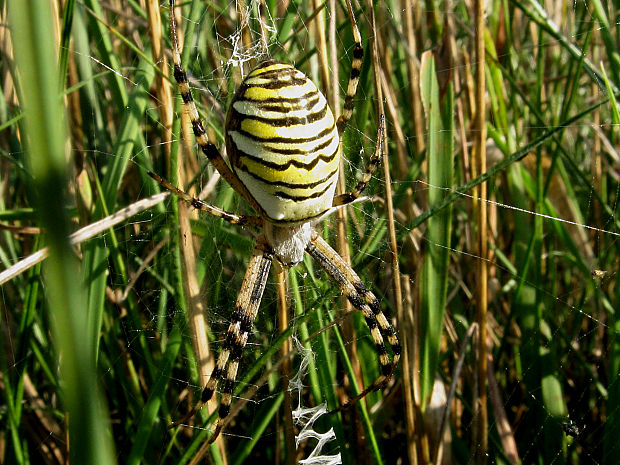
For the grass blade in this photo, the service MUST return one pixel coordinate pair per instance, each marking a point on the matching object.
(89, 441)
(440, 148)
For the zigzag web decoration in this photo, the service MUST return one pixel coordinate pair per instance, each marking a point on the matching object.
(304, 417)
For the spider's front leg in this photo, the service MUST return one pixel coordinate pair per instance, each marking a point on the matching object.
(365, 301)
(207, 147)
(242, 321)
(239, 220)
(349, 197)
(347, 112)
(354, 75)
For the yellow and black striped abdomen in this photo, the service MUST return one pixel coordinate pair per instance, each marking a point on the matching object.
(283, 143)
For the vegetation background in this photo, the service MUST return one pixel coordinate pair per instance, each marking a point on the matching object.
(498, 225)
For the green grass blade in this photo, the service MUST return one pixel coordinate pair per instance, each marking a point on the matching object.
(89, 440)
(611, 445)
(440, 148)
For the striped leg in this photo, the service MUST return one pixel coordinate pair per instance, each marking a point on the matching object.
(205, 207)
(237, 335)
(349, 197)
(209, 149)
(354, 77)
(347, 112)
(364, 301)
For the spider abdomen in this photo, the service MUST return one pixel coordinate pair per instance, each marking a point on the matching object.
(283, 143)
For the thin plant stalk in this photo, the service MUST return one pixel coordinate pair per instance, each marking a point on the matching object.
(480, 158)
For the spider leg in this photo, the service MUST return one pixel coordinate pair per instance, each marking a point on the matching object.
(347, 112)
(242, 321)
(354, 76)
(205, 207)
(241, 324)
(349, 197)
(208, 148)
(365, 301)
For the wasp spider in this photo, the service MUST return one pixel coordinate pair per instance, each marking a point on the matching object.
(284, 148)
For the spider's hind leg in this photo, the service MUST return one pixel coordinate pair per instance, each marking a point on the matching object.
(366, 302)
(242, 321)
(240, 327)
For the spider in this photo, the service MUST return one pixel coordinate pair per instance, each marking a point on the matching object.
(284, 148)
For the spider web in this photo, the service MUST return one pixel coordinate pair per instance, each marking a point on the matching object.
(571, 303)
(227, 267)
